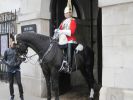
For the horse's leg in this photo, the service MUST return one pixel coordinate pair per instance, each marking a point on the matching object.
(87, 72)
(55, 82)
(48, 84)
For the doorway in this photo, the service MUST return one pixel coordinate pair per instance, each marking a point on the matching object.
(88, 17)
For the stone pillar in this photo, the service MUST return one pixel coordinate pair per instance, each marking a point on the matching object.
(117, 28)
(34, 12)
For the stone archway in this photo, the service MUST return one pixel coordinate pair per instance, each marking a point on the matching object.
(57, 15)
(88, 32)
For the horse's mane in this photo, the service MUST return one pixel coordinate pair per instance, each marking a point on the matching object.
(31, 36)
(37, 42)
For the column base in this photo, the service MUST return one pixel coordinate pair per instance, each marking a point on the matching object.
(108, 93)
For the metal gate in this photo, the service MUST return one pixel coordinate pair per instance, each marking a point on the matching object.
(7, 26)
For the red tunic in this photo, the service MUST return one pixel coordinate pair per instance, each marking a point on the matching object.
(71, 25)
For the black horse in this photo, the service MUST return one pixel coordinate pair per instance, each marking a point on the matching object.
(51, 57)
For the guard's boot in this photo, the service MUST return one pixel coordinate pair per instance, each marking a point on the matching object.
(91, 98)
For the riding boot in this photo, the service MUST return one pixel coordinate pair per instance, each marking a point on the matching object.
(67, 60)
(91, 98)
(65, 57)
(70, 54)
(64, 66)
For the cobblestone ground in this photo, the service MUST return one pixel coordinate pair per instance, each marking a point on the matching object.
(76, 93)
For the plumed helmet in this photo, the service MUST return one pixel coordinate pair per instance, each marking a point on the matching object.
(68, 7)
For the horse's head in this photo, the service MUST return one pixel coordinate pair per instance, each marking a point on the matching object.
(21, 46)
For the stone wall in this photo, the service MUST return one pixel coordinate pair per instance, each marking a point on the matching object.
(34, 12)
(117, 35)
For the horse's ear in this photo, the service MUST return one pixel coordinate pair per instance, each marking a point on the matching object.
(12, 37)
(15, 39)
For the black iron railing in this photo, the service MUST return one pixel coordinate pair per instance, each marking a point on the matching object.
(3, 73)
(7, 26)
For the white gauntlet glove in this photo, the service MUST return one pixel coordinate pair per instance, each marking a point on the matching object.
(56, 34)
(56, 30)
(79, 48)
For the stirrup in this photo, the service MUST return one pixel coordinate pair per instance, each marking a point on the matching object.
(65, 67)
(62, 65)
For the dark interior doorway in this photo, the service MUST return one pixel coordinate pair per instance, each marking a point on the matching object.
(89, 31)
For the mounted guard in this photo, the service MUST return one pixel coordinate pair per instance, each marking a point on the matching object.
(67, 39)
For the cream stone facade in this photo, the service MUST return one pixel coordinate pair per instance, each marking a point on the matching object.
(34, 12)
(117, 37)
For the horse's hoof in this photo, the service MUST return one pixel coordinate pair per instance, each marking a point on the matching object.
(91, 98)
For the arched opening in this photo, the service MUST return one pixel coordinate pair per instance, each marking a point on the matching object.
(57, 16)
(88, 17)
